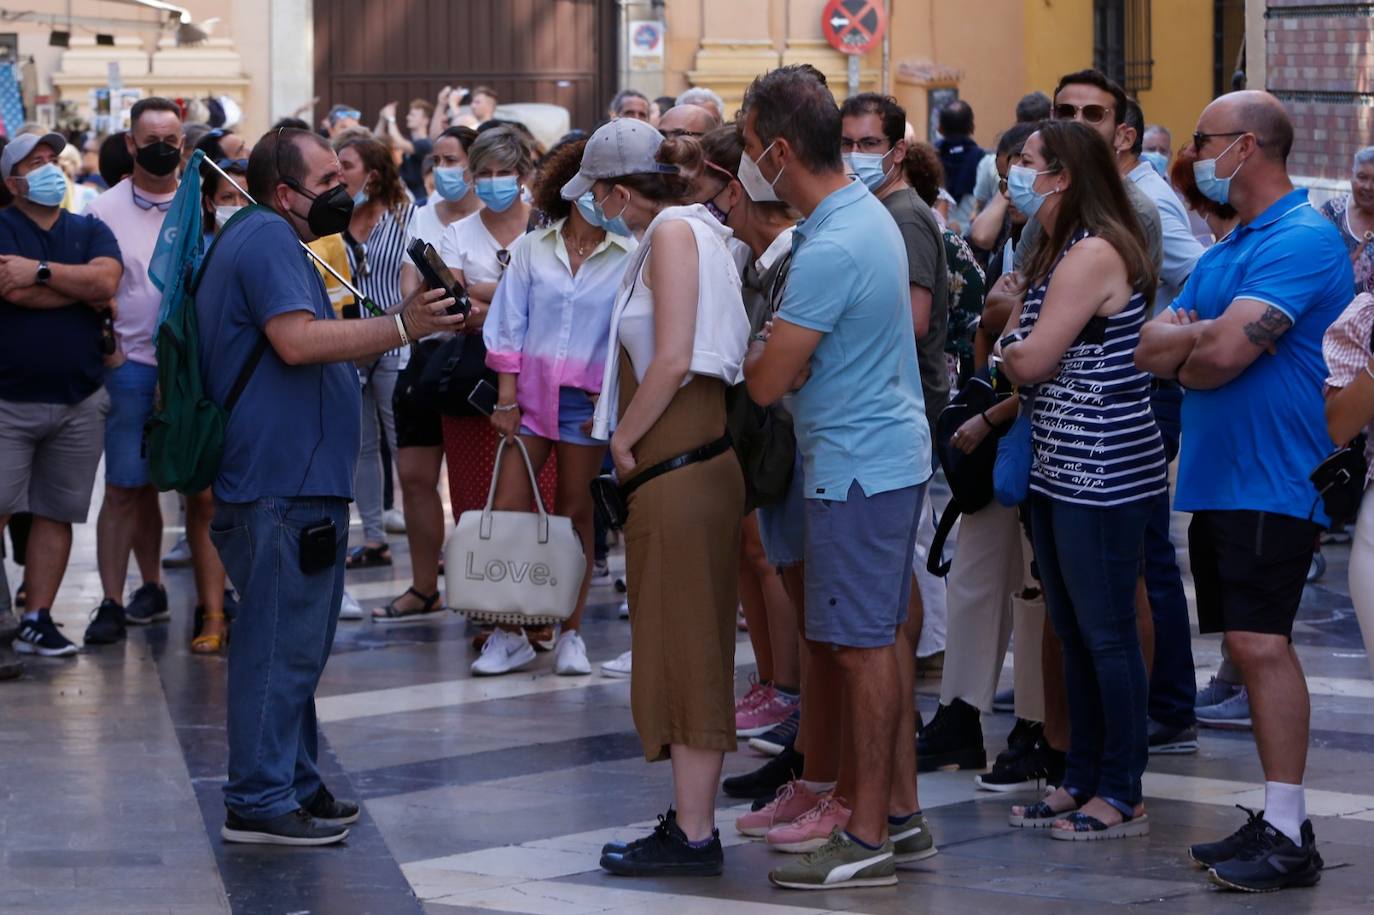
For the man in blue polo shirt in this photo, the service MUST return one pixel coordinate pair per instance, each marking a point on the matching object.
(1244, 340)
(57, 275)
(845, 337)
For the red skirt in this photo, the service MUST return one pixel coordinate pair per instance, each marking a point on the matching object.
(470, 445)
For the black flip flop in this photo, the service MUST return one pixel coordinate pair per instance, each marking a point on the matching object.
(393, 614)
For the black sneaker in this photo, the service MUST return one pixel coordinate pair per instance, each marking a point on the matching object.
(952, 740)
(780, 738)
(1270, 861)
(1167, 741)
(294, 828)
(107, 624)
(666, 853)
(1039, 767)
(1210, 854)
(147, 605)
(41, 637)
(768, 778)
(620, 848)
(327, 809)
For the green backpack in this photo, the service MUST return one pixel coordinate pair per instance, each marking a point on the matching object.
(184, 438)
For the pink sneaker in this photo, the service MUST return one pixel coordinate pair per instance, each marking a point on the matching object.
(771, 711)
(757, 692)
(812, 829)
(792, 800)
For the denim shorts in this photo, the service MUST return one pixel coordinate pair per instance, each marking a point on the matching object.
(782, 527)
(858, 565)
(575, 407)
(132, 388)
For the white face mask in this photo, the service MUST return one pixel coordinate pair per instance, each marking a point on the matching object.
(759, 188)
(224, 214)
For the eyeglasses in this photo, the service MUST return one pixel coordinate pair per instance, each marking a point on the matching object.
(143, 203)
(503, 258)
(1200, 139)
(1092, 114)
(360, 265)
(865, 144)
(678, 134)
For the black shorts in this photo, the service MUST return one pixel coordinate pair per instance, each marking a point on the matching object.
(1249, 569)
(418, 423)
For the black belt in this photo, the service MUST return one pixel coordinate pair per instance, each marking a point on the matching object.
(704, 453)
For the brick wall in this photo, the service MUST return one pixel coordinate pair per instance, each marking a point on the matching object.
(1319, 57)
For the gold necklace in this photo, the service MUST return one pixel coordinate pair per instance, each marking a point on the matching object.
(582, 248)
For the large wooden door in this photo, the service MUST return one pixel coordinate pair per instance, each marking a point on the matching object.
(370, 52)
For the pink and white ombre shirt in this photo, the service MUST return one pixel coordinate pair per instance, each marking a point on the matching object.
(552, 328)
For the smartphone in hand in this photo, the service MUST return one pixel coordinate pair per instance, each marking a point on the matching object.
(483, 397)
(436, 275)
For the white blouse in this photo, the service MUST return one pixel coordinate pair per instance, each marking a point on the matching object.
(722, 328)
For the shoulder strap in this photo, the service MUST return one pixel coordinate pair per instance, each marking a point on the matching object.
(200, 272)
(246, 373)
(260, 348)
(936, 563)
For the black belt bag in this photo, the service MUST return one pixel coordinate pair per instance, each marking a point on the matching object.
(612, 499)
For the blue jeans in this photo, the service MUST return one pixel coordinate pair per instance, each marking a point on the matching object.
(1089, 560)
(282, 637)
(1173, 682)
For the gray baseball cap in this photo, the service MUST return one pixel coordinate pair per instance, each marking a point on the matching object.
(19, 148)
(625, 146)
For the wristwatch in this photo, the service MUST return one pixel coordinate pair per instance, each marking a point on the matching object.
(44, 273)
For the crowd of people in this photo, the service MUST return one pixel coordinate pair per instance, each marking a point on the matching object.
(1074, 323)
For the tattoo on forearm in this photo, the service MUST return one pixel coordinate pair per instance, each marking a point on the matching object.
(1270, 326)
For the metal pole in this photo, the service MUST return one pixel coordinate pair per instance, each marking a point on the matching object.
(887, 49)
(853, 74)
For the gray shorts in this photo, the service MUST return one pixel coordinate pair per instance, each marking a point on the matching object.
(48, 456)
(858, 566)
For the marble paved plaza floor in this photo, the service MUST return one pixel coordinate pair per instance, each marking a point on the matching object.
(494, 795)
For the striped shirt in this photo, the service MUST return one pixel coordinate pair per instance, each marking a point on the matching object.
(376, 263)
(1094, 435)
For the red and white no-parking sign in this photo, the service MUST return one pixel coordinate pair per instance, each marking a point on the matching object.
(853, 26)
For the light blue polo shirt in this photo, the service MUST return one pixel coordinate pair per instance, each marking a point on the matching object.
(1251, 443)
(861, 415)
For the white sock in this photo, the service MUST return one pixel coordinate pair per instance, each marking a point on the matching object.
(31, 616)
(1285, 807)
(818, 787)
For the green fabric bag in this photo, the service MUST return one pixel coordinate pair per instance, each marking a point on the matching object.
(184, 438)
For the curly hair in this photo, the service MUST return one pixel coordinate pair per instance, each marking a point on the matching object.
(376, 157)
(555, 170)
(924, 171)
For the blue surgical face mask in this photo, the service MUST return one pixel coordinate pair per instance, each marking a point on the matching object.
(451, 183)
(1158, 161)
(498, 193)
(1217, 190)
(869, 168)
(360, 198)
(586, 205)
(47, 185)
(1021, 189)
(615, 224)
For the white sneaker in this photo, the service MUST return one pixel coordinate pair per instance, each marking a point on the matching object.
(624, 609)
(394, 521)
(601, 572)
(570, 655)
(350, 609)
(619, 669)
(503, 652)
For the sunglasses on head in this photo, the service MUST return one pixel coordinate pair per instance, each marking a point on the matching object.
(1092, 114)
(503, 258)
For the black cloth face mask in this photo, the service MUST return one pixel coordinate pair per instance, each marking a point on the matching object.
(158, 158)
(329, 213)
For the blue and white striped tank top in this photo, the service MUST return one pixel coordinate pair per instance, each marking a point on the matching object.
(1094, 435)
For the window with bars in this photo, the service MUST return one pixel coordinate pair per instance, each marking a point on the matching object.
(1121, 42)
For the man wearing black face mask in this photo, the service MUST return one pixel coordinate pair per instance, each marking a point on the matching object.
(267, 330)
(129, 518)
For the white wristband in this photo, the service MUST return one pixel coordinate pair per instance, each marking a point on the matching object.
(401, 326)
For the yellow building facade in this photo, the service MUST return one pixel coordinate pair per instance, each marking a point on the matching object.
(991, 51)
